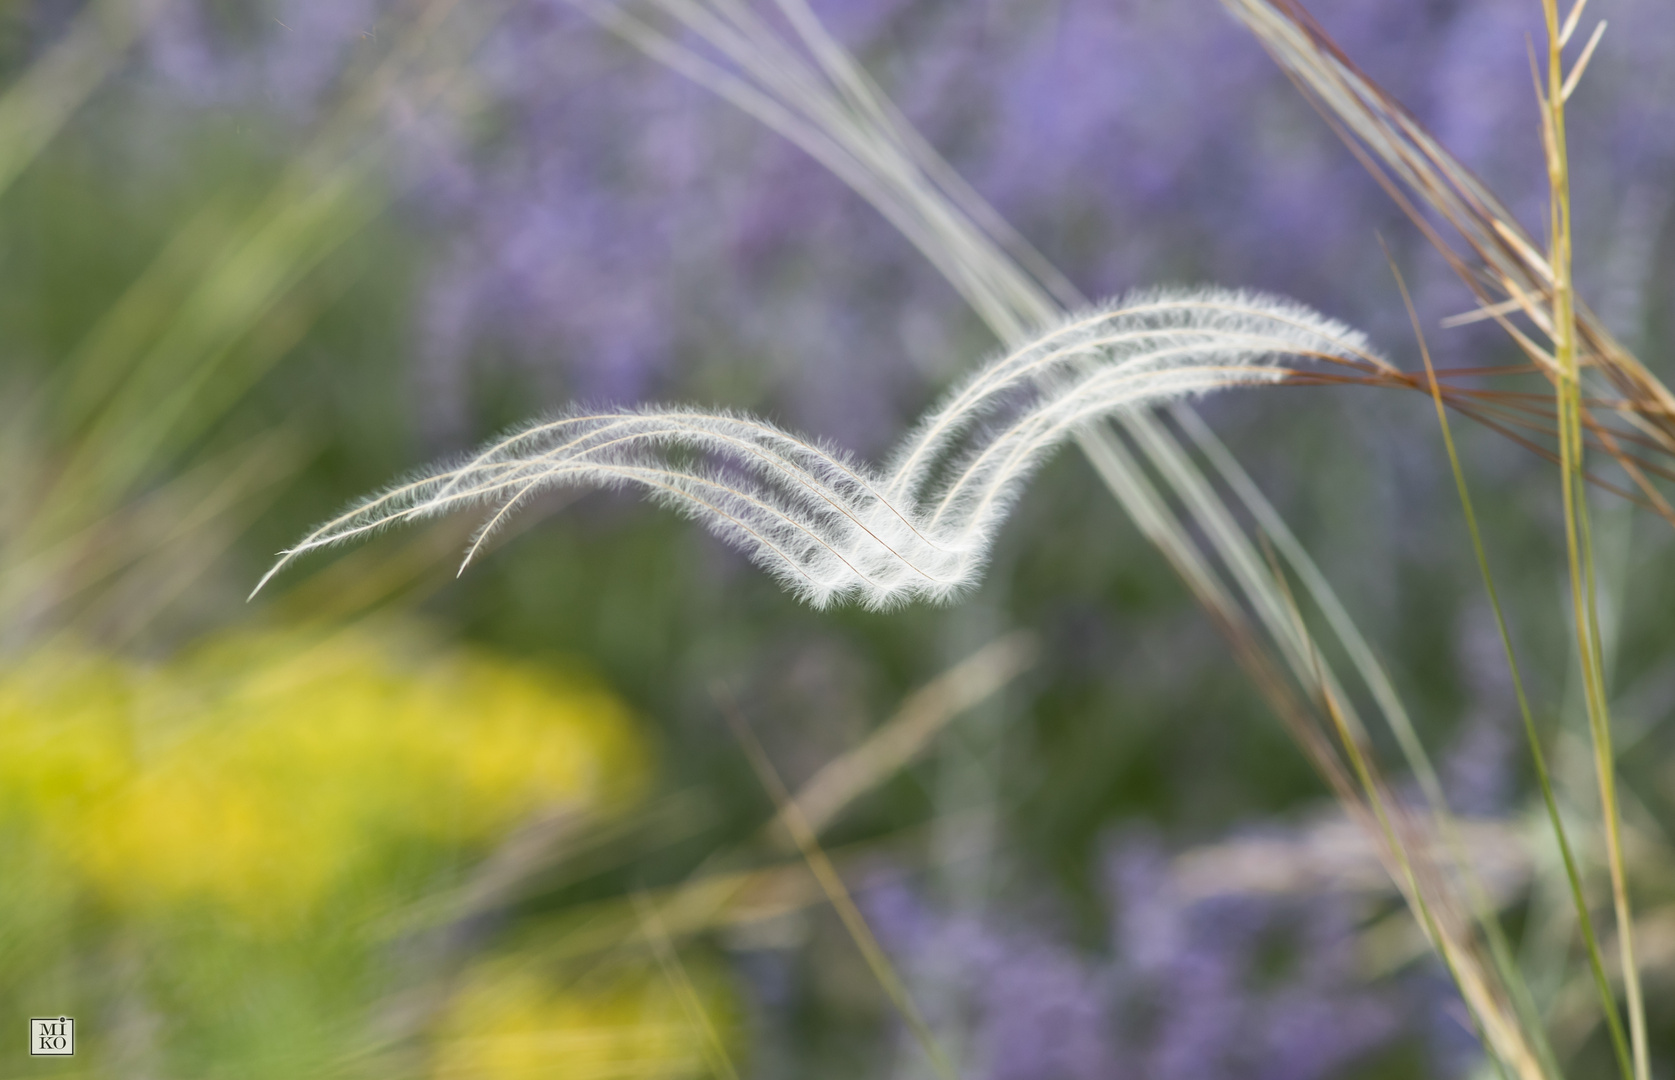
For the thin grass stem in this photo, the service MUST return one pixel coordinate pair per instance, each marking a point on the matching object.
(1578, 530)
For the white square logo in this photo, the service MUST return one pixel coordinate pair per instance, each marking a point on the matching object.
(52, 1035)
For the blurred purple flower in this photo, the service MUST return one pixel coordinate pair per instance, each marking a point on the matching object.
(616, 230)
(1227, 986)
(283, 55)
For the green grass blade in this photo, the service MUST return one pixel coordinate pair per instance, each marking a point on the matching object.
(1573, 876)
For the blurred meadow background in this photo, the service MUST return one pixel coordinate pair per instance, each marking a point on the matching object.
(258, 258)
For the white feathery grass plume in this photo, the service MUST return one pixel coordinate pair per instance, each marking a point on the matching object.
(830, 527)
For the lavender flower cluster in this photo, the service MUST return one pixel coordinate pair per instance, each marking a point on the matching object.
(615, 230)
(1232, 985)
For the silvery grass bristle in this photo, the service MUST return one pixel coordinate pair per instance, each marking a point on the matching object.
(833, 528)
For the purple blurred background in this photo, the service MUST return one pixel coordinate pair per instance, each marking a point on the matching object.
(616, 232)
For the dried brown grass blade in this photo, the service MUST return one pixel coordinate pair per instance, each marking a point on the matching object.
(1492, 253)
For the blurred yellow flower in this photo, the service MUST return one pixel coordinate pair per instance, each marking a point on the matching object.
(264, 772)
(64, 732)
(508, 1023)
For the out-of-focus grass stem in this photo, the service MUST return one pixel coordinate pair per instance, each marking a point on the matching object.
(1578, 534)
(921, 717)
(831, 883)
(320, 201)
(42, 100)
(715, 1051)
(225, 299)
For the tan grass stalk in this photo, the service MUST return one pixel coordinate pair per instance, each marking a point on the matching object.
(919, 719)
(1560, 834)
(1578, 531)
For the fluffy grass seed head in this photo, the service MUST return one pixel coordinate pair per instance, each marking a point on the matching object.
(830, 527)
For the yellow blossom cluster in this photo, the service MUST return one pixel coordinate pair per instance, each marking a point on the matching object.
(509, 1023)
(236, 819)
(264, 773)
